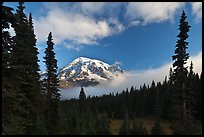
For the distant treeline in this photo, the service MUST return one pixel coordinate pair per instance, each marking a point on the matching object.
(139, 102)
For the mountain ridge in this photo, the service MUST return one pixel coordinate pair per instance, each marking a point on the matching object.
(84, 71)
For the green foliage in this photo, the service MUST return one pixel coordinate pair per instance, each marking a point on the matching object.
(51, 83)
(10, 123)
(21, 78)
(184, 94)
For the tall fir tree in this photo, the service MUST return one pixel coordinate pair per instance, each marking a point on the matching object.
(192, 103)
(182, 123)
(52, 91)
(35, 95)
(11, 119)
(82, 95)
(21, 66)
(24, 67)
(82, 101)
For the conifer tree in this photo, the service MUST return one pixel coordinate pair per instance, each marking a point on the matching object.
(21, 65)
(200, 97)
(25, 77)
(11, 120)
(52, 91)
(157, 129)
(82, 95)
(35, 95)
(190, 94)
(182, 123)
(82, 99)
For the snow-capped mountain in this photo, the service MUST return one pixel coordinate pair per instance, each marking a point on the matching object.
(87, 72)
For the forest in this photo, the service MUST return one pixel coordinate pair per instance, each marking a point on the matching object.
(31, 106)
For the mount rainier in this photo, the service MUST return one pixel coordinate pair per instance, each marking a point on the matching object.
(87, 72)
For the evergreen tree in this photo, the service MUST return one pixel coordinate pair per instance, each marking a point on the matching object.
(21, 65)
(153, 84)
(24, 66)
(131, 89)
(200, 98)
(11, 119)
(170, 76)
(190, 94)
(192, 103)
(35, 95)
(82, 99)
(182, 124)
(157, 129)
(52, 91)
(82, 95)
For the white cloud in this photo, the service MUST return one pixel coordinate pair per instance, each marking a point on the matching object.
(197, 10)
(153, 12)
(93, 7)
(197, 62)
(137, 78)
(116, 26)
(77, 28)
(74, 27)
(77, 48)
(135, 23)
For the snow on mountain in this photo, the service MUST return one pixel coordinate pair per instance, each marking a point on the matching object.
(87, 72)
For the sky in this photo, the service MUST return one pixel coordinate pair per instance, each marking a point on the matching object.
(139, 35)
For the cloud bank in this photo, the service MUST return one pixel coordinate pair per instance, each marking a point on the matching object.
(153, 12)
(133, 78)
(75, 24)
(75, 27)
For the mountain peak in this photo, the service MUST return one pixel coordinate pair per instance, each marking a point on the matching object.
(84, 71)
(82, 59)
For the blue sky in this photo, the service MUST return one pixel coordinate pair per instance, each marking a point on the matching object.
(141, 36)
